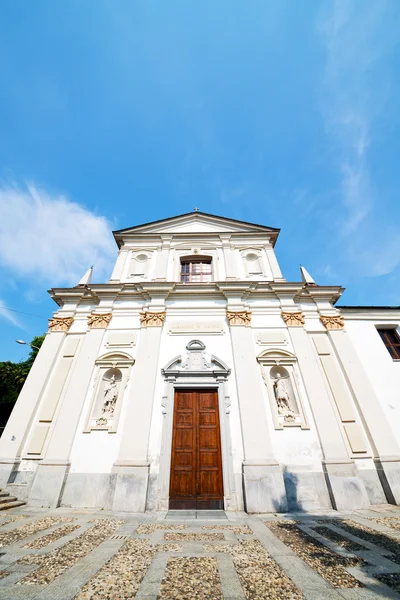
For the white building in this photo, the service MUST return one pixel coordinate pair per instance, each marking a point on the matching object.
(199, 377)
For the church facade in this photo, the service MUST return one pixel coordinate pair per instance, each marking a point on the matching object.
(197, 377)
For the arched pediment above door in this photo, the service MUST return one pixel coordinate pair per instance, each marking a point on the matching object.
(195, 364)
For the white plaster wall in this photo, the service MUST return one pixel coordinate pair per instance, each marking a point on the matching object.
(382, 372)
(95, 452)
(292, 445)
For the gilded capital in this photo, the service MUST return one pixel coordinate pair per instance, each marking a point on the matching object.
(60, 323)
(97, 321)
(152, 319)
(293, 319)
(238, 317)
(332, 321)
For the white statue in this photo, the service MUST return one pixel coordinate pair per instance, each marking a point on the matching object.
(282, 396)
(110, 398)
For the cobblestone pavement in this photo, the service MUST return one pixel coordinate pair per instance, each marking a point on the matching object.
(67, 554)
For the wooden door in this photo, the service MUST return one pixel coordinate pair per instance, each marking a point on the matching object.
(196, 465)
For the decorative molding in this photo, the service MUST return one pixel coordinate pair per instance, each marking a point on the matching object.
(293, 319)
(286, 403)
(238, 318)
(152, 319)
(60, 323)
(332, 321)
(96, 321)
(203, 327)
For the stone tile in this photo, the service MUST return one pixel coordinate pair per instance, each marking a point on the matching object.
(15, 535)
(191, 577)
(392, 580)
(392, 522)
(51, 537)
(330, 565)
(260, 576)
(338, 539)
(55, 563)
(383, 540)
(192, 537)
(237, 529)
(153, 527)
(121, 576)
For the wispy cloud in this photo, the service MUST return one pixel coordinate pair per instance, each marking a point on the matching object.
(8, 315)
(354, 94)
(49, 239)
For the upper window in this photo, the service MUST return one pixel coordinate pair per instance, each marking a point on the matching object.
(391, 340)
(196, 270)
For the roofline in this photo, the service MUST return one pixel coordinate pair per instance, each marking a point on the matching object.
(118, 231)
(369, 307)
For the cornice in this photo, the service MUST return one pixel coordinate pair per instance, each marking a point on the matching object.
(332, 293)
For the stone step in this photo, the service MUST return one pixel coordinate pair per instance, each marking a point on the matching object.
(4, 494)
(13, 504)
(8, 498)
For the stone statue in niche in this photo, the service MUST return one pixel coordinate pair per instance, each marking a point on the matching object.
(110, 398)
(282, 396)
(110, 395)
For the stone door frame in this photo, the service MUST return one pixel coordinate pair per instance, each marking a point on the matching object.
(213, 375)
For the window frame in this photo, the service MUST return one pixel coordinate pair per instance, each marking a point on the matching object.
(205, 276)
(393, 347)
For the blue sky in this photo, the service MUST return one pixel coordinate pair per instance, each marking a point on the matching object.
(116, 113)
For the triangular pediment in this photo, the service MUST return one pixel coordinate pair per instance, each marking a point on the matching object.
(196, 222)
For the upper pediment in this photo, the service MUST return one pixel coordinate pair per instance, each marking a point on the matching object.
(196, 222)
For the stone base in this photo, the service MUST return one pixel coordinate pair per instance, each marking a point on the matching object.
(48, 484)
(389, 474)
(264, 488)
(89, 490)
(130, 487)
(370, 478)
(305, 489)
(8, 469)
(346, 488)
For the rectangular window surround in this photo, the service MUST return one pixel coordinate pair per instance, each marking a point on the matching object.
(391, 339)
(196, 271)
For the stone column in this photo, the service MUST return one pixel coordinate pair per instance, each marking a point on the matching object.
(263, 478)
(385, 446)
(18, 426)
(51, 474)
(345, 488)
(132, 465)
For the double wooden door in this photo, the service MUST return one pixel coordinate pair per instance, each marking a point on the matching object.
(196, 465)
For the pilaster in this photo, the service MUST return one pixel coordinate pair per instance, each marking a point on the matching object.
(346, 489)
(383, 442)
(18, 426)
(52, 471)
(263, 478)
(162, 259)
(132, 465)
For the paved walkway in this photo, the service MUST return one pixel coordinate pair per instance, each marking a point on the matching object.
(84, 554)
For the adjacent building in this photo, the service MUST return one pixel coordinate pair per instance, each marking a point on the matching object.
(197, 377)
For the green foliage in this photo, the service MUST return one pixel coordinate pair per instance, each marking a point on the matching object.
(13, 375)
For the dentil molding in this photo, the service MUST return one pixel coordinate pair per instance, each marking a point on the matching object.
(60, 323)
(293, 319)
(238, 318)
(152, 319)
(96, 321)
(332, 321)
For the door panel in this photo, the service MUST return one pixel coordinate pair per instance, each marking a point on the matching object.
(196, 465)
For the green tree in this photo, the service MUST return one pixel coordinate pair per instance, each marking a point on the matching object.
(12, 378)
